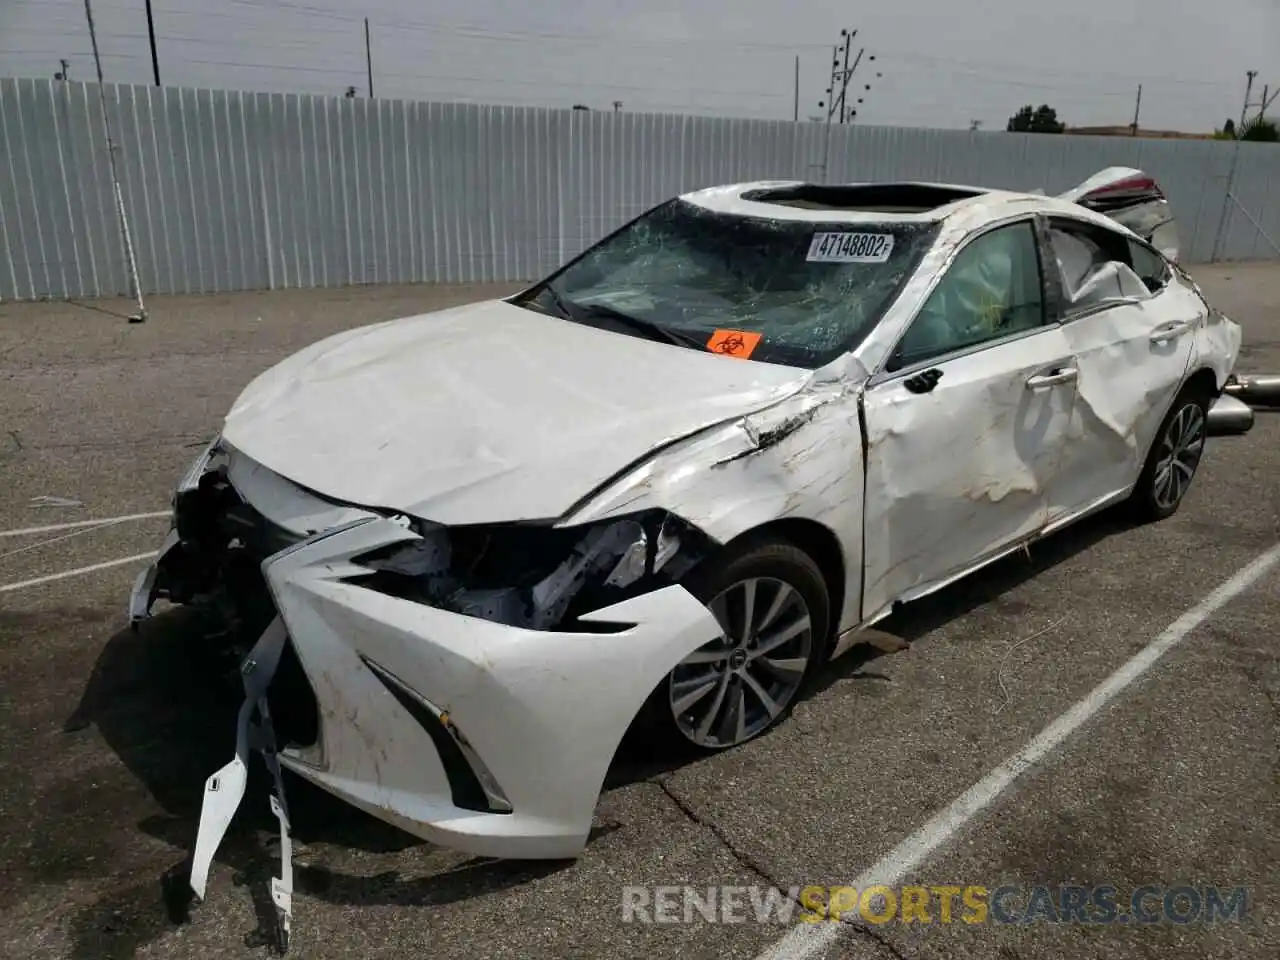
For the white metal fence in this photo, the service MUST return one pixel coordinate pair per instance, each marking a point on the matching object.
(233, 191)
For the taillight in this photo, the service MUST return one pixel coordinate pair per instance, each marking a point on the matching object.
(1142, 186)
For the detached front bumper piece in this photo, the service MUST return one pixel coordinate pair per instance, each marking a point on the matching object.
(486, 738)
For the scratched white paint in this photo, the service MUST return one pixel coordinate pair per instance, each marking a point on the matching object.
(283, 502)
(518, 696)
(493, 413)
(958, 473)
(1127, 383)
(724, 483)
(486, 412)
(1217, 341)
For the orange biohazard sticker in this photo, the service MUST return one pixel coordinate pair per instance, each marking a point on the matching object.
(733, 343)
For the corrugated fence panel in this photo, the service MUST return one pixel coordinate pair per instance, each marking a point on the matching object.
(1194, 174)
(345, 142)
(15, 277)
(234, 191)
(27, 206)
(20, 238)
(1253, 225)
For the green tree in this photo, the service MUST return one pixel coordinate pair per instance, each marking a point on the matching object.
(1260, 130)
(1041, 119)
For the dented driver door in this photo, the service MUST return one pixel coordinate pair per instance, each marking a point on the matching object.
(966, 424)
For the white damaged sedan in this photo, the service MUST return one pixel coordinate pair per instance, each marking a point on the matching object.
(471, 549)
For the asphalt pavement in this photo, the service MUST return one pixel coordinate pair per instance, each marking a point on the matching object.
(108, 735)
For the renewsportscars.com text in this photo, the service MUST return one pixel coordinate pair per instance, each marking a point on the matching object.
(937, 904)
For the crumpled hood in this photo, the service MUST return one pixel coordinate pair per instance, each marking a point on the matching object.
(485, 413)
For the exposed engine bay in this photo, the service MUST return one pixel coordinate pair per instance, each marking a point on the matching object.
(534, 576)
(537, 577)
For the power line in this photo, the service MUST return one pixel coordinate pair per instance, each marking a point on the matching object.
(513, 81)
(516, 36)
(510, 36)
(1079, 86)
(908, 83)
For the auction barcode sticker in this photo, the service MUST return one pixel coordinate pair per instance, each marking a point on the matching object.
(850, 247)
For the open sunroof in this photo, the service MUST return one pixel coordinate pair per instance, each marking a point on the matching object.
(872, 198)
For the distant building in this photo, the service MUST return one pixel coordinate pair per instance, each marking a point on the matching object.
(1124, 130)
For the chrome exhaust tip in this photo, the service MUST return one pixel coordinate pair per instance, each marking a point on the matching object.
(1262, 391)
(1230, 417)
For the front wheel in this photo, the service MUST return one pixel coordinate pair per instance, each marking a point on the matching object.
(773, 608)
(1174, 457)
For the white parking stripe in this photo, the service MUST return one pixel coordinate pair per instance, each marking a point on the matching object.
(7, 587)
(55, 527)
(805, 941)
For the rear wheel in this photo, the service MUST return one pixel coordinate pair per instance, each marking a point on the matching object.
(1174, 457)
(773, 608)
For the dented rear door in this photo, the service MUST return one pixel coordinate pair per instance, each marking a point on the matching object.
(1133, 346)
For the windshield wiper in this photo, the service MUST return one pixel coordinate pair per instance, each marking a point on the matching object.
(653, 331)
(559, 302)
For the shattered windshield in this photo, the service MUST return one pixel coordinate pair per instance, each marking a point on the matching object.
(782, 291)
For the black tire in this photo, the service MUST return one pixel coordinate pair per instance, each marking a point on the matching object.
(1151, 500)
(767, 561)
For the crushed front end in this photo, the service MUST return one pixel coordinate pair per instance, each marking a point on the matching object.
(211, 560)
(469, 685)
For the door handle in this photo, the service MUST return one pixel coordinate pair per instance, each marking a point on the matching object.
(1171, 330)
(1042, 381)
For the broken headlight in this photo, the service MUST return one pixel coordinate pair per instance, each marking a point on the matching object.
(533, 576)
(209, 458)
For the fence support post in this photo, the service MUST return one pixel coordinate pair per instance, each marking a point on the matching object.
(1226, 205)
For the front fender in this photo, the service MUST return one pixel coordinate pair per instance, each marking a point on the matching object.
(801, 458)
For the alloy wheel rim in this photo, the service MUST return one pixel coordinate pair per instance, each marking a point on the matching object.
(1180, 452)
(734, 687)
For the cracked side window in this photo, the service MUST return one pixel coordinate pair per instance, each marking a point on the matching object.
(991, 290)
(1096, 265)
(1150, 266)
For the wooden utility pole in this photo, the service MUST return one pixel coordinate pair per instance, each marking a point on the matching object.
(151, 35)
(795, 108)
(368, 57)
(845, 75)
(1247, 90)
(1137, 109)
